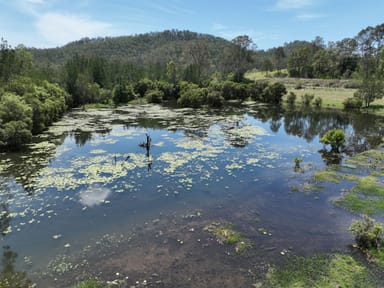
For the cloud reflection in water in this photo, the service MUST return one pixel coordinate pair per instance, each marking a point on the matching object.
(94, 195)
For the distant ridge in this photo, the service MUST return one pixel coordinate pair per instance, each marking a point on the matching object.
(153, 47)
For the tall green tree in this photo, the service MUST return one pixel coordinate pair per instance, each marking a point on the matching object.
(371, 88)
(371, 42)
(267, 66)
(198, 67)
(171, 72)
(279, 56)
(323, 64)
(238, 56)
(13, 62)
(299, 62)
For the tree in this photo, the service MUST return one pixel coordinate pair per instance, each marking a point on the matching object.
(13, 62)
(299, 62)
(266, 66)
(323, 64)
(197, 51)
(279, 56)
(335, 138)
(238, 56)
(171, 72)
(371, 88)
(347, 56)
(124, 93)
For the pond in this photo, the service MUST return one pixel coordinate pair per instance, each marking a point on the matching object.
(90, 198)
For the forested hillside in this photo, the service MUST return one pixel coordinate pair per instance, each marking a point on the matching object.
(149, 48)
(151, 52)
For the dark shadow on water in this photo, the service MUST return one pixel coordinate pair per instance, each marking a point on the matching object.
(9, 276)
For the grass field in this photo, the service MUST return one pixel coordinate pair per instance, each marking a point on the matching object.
(333, 92)
(332, 97)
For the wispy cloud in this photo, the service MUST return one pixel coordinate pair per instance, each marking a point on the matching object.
(172, 9)
(293, 4)
(60, 29)
(308, 17)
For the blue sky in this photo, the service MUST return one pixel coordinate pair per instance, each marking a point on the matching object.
(270, 23)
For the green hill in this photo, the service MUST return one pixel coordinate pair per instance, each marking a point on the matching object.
(149, 48)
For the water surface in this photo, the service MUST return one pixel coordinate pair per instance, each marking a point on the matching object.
(88, 200)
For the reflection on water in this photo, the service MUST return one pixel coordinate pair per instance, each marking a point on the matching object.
(9, 276)
(94, 196)
(155, 177)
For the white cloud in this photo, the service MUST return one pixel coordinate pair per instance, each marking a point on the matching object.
(60, 29)
(308, 17)
(293, 4)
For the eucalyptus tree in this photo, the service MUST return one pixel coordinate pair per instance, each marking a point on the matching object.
(279, 56)
(198, 67)
(238, 56)
(13, 62)
(371, 44)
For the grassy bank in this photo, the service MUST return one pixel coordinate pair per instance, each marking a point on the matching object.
(334, 270)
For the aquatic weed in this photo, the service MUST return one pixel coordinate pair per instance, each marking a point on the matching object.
(326, 271)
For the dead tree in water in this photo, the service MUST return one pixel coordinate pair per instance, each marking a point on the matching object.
(147, 146)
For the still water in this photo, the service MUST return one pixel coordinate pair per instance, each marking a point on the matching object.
(90, 198)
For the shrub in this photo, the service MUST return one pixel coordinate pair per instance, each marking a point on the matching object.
(352, 103)
(256, 90)
(273, 93)
(169, 90)
(297, 167)
(192, 96)
(367, 233)
(142, 86)
(234, 91)
(16, 121)
(335, 138)
(306, 99)
(214, 99)
(154, 96)
(291, 98)
(318, 102)
(123, 93)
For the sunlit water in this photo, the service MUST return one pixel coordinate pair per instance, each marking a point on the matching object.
(97, 203)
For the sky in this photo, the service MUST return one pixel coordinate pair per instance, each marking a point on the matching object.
(270, 23)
